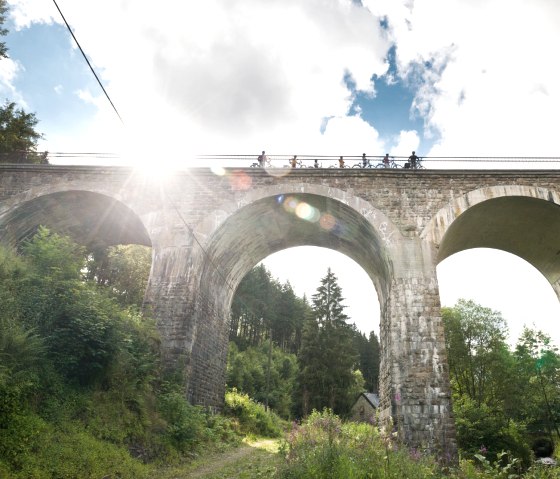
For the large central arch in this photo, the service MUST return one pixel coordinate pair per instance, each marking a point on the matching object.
(263, 226)
(413, 385)
(285, 220)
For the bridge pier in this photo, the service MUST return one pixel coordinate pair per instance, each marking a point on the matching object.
(192, 322)
(414, 379)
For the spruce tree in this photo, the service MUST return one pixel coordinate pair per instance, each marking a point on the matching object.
(327, 354)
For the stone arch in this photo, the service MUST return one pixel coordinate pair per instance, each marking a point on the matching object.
(88, 217)
(522, 220)
(258, 227)
(360, 231)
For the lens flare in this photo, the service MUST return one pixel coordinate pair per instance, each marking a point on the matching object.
(240, 181)
(327, 221)
(307, 212)
(218, 170)
(290, 204)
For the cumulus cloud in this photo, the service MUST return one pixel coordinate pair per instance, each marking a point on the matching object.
(229, 76)
(9, 69)
(223, 77)
(486, 82)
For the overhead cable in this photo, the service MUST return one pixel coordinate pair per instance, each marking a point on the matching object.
(89, 64)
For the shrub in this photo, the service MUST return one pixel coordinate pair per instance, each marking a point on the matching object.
(325, 448)
(480, 428)
(252, 416)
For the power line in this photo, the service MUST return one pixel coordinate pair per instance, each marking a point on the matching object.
(89, 64)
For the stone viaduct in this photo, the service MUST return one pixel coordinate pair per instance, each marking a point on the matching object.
(208, 229)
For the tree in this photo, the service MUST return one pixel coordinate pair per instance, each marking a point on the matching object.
(486, 389)
(18, 137)
(538, 365)
(263, 307)
(3, 31)
(84, 330)
(478, 354)
(327, 357)
(369, 359)
(124, 270)
(247, 371)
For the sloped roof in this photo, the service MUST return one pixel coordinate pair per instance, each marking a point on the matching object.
(372, 398)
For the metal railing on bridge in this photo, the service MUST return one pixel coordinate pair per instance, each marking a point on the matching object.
(184, 160)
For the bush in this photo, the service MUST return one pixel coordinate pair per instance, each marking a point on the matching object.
(481, 430)
(253, 418)
(325, 448)
(188, 427)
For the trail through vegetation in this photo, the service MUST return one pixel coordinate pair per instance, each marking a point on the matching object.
(253, 459)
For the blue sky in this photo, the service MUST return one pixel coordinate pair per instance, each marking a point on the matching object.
(51, 75)
(316, 77)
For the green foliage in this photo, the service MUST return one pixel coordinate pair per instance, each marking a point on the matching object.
(324, 447)
(31, 448)
(538, 363)
(185, 423)
(248, 372)
(253, 419)
(263, 307)
(369, 353)
(80, 387)
(123, 270)
(483, 430)
(327, 355)
(18, 137)
(503, 400)
(3, 31)
(477, 351)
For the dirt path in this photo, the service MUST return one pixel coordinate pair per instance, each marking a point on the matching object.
(222, 461)
(251, 460)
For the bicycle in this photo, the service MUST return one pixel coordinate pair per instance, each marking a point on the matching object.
(361, 165)
(417, 166)
(341, 164)
(391, 164)
(299, 164)
(268, 164)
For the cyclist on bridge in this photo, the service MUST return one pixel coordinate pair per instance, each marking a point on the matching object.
(365, 162)
(413, 160)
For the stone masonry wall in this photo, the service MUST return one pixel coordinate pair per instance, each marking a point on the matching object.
(189, 291)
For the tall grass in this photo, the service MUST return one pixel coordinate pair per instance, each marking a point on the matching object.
(323, 447)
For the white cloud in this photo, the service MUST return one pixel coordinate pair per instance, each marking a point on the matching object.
(221, 76)
(9, 70)
(26, 12)
(224, 77)
(498, 94)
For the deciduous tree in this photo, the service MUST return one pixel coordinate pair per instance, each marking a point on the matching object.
(18, 137)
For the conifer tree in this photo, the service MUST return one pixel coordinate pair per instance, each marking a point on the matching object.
(327, 357)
